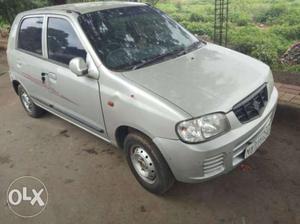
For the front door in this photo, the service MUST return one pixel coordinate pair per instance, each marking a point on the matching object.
(76, 97)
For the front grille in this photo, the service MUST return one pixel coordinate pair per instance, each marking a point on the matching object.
(252, 106)
(213, 165)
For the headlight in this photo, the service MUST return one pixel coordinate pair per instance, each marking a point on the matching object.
(203, 128)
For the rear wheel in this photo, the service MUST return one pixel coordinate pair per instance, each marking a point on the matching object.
(31, 109)
(147, 164)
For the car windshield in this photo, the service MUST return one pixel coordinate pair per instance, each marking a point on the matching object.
(132, 37)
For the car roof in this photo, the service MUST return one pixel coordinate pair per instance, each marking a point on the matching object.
(85, 7)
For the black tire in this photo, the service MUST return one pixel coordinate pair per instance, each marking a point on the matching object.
(32, 109)
(164, 178)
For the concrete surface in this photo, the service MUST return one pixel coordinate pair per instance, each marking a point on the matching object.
(3, 69)
(289, 94)
(89, 182)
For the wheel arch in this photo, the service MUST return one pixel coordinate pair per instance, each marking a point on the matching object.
(15, 84)
(122, 131)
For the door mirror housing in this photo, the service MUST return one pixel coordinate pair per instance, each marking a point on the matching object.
(93, 72)
(78, 66)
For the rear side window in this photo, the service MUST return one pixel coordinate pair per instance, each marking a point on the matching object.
(30, 35)
(63, 43)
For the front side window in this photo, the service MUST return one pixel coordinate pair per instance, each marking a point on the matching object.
(30, 35)
(62, 41)
(126, 37)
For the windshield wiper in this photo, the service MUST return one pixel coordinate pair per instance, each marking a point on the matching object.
(176, 53)
(193, 46)
(158, 58)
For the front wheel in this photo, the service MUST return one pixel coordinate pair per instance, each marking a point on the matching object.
(147, 164)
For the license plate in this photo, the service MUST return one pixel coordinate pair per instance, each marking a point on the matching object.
(258, 141)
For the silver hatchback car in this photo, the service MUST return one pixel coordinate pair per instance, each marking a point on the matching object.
(180, 108)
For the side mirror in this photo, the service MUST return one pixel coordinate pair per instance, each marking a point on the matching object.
(78, 66)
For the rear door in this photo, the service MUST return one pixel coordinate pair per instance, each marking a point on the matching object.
(29, 57)
(76, 97)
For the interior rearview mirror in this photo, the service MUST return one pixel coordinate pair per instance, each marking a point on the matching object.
(78, 66)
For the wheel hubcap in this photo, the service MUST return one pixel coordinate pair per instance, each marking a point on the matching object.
(26, 101)
(143, 164)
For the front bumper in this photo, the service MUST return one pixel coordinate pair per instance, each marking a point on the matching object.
(196, 163)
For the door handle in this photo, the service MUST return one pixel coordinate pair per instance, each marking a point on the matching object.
(43, 77)
(19, 63)
(52, 76)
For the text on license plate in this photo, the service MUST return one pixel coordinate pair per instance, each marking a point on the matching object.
(258, 141)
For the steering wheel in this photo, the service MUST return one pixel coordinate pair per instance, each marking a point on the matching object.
(113, 45)
(116, 55)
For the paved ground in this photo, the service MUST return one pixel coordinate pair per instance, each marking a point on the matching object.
(89, 182)
(289, 94)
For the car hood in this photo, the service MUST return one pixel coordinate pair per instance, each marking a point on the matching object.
(209, 79)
